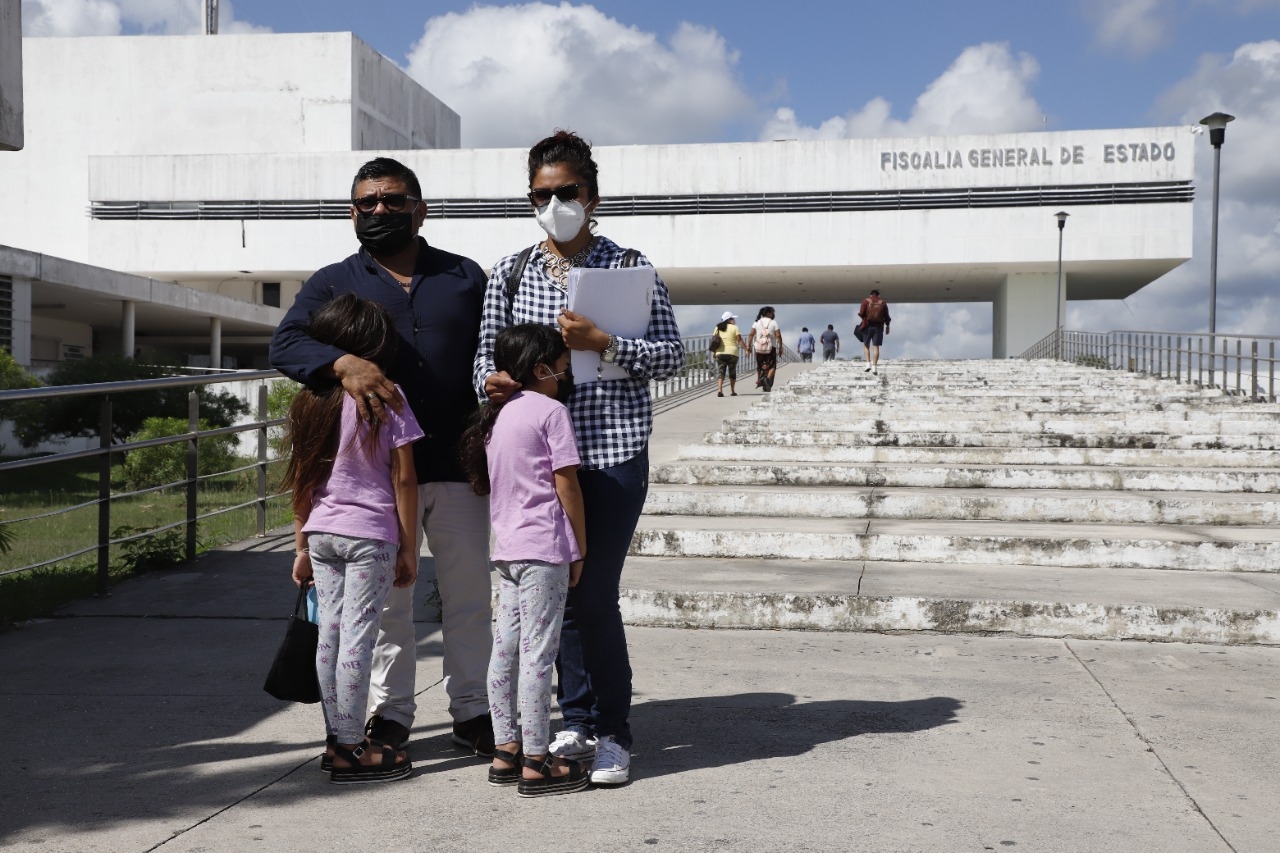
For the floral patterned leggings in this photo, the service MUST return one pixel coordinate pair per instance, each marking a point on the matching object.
(526, 638)
(352, 577)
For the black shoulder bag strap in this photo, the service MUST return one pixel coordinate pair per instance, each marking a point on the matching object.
(513, 280)
(629, 259)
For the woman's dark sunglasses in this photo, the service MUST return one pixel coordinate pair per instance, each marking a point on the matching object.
(568, 192)
(393, 202)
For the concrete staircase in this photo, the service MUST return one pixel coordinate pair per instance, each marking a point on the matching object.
(1032, 498)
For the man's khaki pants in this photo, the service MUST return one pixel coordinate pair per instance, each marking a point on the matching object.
(455, 523)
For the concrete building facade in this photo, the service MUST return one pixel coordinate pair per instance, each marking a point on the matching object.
(237, 183)
(248, 95)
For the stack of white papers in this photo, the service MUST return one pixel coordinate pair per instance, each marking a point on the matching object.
(618, 301)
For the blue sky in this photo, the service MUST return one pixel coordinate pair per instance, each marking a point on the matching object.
(713, 70)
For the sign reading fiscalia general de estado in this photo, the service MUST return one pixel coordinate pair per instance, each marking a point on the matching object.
(997, 158)
(1064, 157)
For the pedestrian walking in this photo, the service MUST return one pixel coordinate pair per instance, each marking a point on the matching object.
(830, 343)
(727, 353)
(765, 340)
(874, 313)
(805, 345)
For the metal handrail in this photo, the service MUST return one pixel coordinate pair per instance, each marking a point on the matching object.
(17, 394)
(693, 375)
(106, 447)
(1243, 366)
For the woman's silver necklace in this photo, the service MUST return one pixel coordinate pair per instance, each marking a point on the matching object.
(558, 267)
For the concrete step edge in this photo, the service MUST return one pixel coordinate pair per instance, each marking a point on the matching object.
(1058, 552)
(816, 612)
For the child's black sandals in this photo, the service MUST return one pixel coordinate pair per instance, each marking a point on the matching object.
(576, 779)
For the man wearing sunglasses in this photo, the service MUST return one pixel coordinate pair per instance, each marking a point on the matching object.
(436, 299)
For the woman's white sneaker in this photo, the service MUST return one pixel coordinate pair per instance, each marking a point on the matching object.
(613, 763)
(573, 746)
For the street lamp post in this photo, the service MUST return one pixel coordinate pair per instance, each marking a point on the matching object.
(1061, 216)
(1217, 124)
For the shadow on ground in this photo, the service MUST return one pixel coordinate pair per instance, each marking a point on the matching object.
(148, 705)
(681, 735)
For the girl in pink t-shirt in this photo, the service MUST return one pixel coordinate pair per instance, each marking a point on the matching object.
(523, 454)
(355, 501)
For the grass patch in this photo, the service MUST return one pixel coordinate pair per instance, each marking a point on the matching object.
(55, 486)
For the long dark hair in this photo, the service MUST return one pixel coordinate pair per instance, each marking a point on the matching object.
(364, 329)
(517, 350)
(722, 325)
(768, 309)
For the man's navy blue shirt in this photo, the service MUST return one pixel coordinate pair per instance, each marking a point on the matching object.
(438, 318)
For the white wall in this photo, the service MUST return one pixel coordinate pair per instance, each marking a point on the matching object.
(64, 333)
(184, 95)
(746, 167)
(976, 237)
(392, 111)
(1023, 312)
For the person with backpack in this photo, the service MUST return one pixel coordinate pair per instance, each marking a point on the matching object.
(765, 340)
(611, 419)
(874, 312)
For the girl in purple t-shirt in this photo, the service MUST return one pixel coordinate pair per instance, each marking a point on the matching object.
(355, 504)
(523, 454)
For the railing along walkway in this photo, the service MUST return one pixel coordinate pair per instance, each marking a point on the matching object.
(694, 378)
(1239, 365)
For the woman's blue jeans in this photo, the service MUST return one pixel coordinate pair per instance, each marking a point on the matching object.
(593, 666)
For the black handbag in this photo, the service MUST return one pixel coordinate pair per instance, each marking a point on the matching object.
(293, 673)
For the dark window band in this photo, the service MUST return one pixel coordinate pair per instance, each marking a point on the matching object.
(676, 205)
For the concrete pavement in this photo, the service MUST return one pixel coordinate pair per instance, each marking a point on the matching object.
(138, 723)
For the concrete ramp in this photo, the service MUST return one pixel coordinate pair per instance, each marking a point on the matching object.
(1025, 498)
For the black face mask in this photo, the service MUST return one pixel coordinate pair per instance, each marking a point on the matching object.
(384, 233)
(564, 384)
(564, 387)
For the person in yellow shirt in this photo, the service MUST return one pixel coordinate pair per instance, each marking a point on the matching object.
(727, 355)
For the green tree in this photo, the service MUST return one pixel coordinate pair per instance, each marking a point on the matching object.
(13, 376)
(158, 466)
(279, 398)
(70, 417)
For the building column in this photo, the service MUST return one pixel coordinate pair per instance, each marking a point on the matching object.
(128, 327)
(1023, 312)
(215, 342)
(20, 333)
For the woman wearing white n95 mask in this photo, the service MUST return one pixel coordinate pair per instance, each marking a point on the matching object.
(611, 420)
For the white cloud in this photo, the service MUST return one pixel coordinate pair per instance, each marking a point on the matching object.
(70, 18)
(986, 90)
(1136, 27)
(1246, 84)
(516, 73)
(116, 17)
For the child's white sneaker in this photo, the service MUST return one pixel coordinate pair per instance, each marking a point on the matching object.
(613, 763)
(573, 746)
